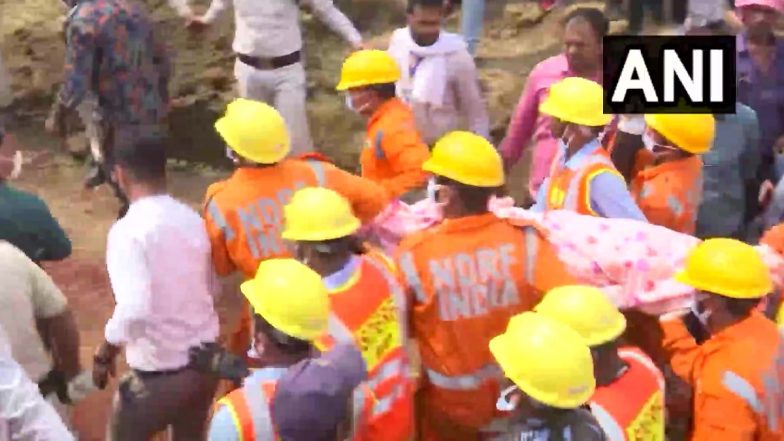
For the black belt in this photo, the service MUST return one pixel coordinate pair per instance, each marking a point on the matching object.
(151, 374)
(270, 63)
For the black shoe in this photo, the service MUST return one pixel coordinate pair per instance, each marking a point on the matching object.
(95, 177)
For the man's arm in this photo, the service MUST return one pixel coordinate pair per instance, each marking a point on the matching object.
(54, 319)
(130, 280)
(522, 124)
(406, 152)
(610, 198)
(219, 231)
(54, 243)
(216, 9)
(724, 412)
(469, 97)
(79, 63)
(326, 11)
(367, 198)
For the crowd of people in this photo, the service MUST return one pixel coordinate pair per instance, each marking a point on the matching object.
(474, 328)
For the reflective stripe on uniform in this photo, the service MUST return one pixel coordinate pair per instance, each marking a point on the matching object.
(259, 412)
(219, 220)
(410, 273)
(383, 405)
(573, 189)
(396, 291)
(531, 250)
(464, 382)
(742, 389)
(318, 170)
(610, 426)
(338, 330)
(358, 400)
(646, 362)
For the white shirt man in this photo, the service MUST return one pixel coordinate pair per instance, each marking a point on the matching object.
(268, 43)
(439, 79)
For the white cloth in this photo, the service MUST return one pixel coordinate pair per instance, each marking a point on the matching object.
(428, 84)
(271, 28)
(24, 414)
(27, 294)
(159, 263)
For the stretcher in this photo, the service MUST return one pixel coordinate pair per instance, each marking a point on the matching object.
(632, 262)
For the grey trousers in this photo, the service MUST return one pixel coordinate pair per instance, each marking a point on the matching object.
(145, 405)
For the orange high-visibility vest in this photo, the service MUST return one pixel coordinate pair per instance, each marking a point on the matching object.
(367, 310)
(570, 189)
(632, 408)
(250, 409)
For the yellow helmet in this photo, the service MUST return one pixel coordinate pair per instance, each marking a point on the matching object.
(290, 296)
(254, 130)
(578, 101)
(466, 158)
(726, 267)
(586, 310)
(691, 133)
(316, 214)
(368, 67)
(546, 359)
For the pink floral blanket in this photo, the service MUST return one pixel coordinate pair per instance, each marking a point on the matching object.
(633, 262)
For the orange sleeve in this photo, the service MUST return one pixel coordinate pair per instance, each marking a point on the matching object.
(550, 272)
(406, 152)
(656, 209)
(217, 229)
(367, 198)
(680, 347)
(774, 238)
(719, 414)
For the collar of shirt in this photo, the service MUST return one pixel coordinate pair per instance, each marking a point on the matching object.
(258, 376)
(468, 223)
(344, 276)
(576, 160)
(688, 164)
(147, 200)
(391, 106)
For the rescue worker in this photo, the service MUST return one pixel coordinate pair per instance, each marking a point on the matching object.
(291, 310)
(465, 278)
(244, 212)
(552, 374)
(737, 372)
(629, 397)
(582, 178)
(366, 302)
(394, 151)
(268, 46)
(669, 190)
(114, 55)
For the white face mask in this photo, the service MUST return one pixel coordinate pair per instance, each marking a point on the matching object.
(504, 403)
(349, 103)
(647, 141)
(18, 160)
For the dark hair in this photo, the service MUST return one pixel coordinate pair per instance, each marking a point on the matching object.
(740, 308)
(595, 18)
(145, 160)
(423, 4)
(283, 342)
(474, 199)
(385, 91)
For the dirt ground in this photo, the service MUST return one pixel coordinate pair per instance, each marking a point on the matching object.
(32, 47)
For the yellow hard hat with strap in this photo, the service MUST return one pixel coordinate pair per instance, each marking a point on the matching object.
(585, 309)
(255, 130)
(467, 158)
(726, 267)
(366, 68)
(578, 101)
(290, 296)
(546, 359)
(317, 214)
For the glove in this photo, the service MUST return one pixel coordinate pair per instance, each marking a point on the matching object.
(213, 359)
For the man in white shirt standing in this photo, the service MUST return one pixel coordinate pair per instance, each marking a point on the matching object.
(439, 79)
(158, 258)
(268, 44)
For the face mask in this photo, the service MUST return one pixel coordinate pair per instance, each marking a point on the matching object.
(349, 104)
(231, 155)
(17, 165)
(701, 316)
(647, 141)
(504, 403)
